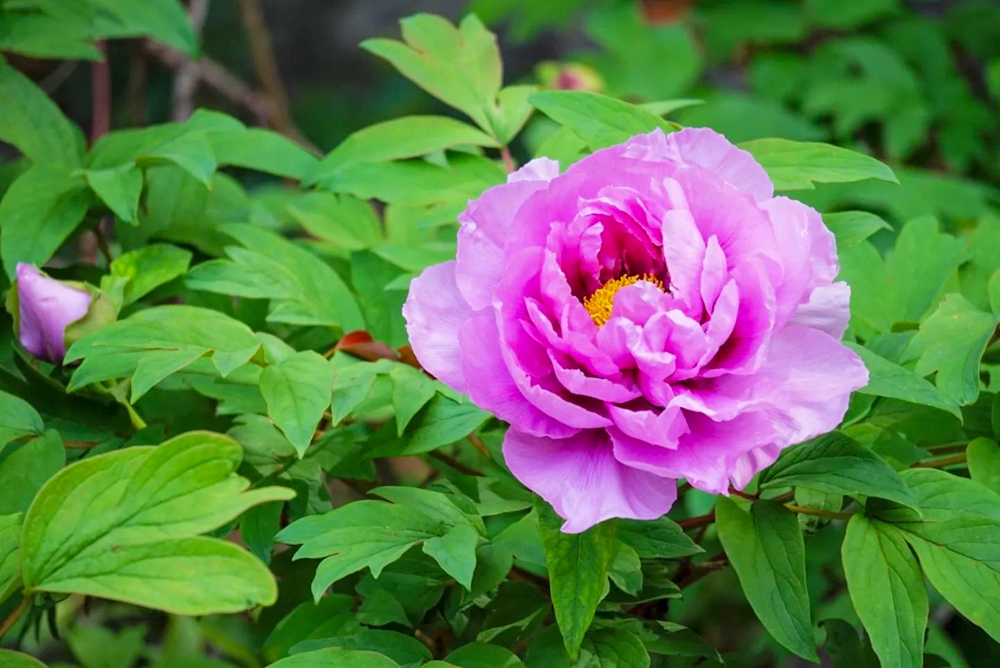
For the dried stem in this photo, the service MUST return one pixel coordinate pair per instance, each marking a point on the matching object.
(186, 81)
(100, 86)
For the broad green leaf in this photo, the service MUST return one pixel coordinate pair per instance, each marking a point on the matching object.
(18, 418)
(39, 211)
(405, 649)
(10, 552)
(42, 35)
(363, 534)
(340, 220)
(887, 379)
(307, 621)
(482, 655)
(411, 390)
(578, 573)
(156, 365)
(119, 188)
(190, 151)
(11, 659)
(305, 290)
(951, 343)
(852, 227)
(456, 552)
(400, 138)
(258, 528)
(984, 463)
(839, 464)
(34, 124)
(24, 468)
(676, 640)
(765, 548)
(796, 165)
(845, 647)
(887, 590)
(601, 648)
(657, 539)
(351, 385)
(124, 525)
(626, 570)
(114, 351)
(459, 66)
(149, 267)
(336, 657)
(440, 422)
(598, 119)
(261, 150)
(297, 391)
(163, 20)
(919, 266)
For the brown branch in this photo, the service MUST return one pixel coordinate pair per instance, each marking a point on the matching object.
(100, 89)
(508, 160)
(694, 522)
(697, 571)
(941, 463)
(186, 81)
(266, 65)
(478, 444)
(454, 463)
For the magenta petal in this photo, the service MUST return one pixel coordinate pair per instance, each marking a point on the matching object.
(713, 152)
(828, 310)
(582, 480)
(434, 312)
(46, 308)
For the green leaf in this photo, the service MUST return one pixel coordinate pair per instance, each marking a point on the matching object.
(440, 422)
(676, 640)
(626, 570)
(39, 211)
(336, 657)
(852, 227)
(839, 464)
(18, 418)
(405, 649)
(11, 659)
(598, 119)
(887, 590)
(578, 573)
(796, 165)
(951, 342)
(456, 552)
(461, 67)
(363, 534)
(10, 552)
(400, 138)
(157, 365)
(483, 655)
(845, 647)
(34, 124)
(352, 383)
(340, 220)
(119, 188)
(922, 262)
(190, 151)
(765, 548)
(123, 526)
(297, 391)
(411, 390)
(887, 379)
(657, 539)
(149, 267)
(261, 150)
(163, 20)
(984, 463)
(601, 648)
(46, 36)
(24, 468)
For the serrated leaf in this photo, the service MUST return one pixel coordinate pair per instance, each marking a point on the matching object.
(297, 391)
(796, 165)
(887, 590)
(578, 572)
(123, 526)
(888, 379)
(597, 119)
(951, 343)
(837, 463)
(766, 549)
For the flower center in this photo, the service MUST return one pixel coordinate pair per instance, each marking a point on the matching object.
(599, 304)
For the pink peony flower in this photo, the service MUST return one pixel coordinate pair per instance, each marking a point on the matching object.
(46, 307)
(654, 313)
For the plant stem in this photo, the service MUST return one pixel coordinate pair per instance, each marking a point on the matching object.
(15, 615)
(508, 160)
(940, 463)
(100, 82)
(478, 444)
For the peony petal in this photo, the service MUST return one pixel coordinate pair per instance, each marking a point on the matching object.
(711, 151)
(828, 310)
(582, 480)
(434, 311)
(46, 308)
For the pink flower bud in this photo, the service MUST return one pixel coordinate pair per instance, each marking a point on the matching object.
(45, 308)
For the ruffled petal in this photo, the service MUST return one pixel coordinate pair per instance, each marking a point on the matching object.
(582, 480)
(434, 312)
(711, 151)
(828, 310)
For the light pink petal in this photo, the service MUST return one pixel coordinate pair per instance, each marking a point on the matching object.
(713, 273)
(582, 480)
(434, 312)
(828, 310)
(579, 382)
(661, 427)
(539, 169)
(713, 152)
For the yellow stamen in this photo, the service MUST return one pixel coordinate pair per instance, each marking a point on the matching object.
(600, 303)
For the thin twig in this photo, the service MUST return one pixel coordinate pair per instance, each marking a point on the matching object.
(508, 160)
(940, 463)
(100, 88)
(15, 615)
(266, 65)
(829, 514)
(454, 463)
(697, 571)
(694, 522)
(186, 81)
(478, 444)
